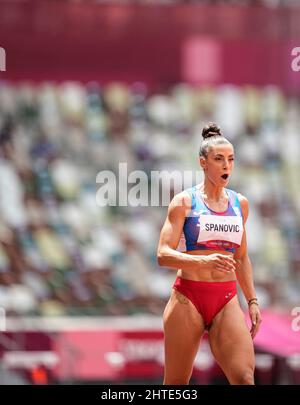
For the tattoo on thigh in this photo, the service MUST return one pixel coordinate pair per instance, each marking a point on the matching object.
(181, 298)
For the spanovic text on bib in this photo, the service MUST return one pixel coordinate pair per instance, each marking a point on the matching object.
(227, 228)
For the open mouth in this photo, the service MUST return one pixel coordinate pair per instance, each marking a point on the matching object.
(225, 176)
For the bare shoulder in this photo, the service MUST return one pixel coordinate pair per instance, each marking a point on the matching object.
(244, 205)
(182, 199)
(180, 203)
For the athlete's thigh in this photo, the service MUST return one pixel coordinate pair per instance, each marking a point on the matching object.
(183, 328)
(231, 342)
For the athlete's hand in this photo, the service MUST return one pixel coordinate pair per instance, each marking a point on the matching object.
(218, 261)
(255, 317)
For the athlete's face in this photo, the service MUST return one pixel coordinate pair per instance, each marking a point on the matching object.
(219, 164)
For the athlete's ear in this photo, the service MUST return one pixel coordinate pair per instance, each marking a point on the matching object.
(202, 162)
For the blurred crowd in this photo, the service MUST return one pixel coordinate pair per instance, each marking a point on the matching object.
(63, 254)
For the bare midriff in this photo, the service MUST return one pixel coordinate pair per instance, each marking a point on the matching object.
(204, 274)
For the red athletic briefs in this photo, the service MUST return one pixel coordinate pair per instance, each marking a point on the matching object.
(208, 297)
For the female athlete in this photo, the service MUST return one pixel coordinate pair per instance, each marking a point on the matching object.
(211, 220)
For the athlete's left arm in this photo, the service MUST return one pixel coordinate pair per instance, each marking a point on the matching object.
(244, 272)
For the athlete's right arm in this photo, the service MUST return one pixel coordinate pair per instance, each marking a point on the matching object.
(168, 256)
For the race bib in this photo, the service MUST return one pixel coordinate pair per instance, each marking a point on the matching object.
(227, 228)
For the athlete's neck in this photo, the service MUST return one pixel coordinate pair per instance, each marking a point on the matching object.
(212, 192)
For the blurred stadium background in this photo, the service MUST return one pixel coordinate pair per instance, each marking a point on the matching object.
(90, 84)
